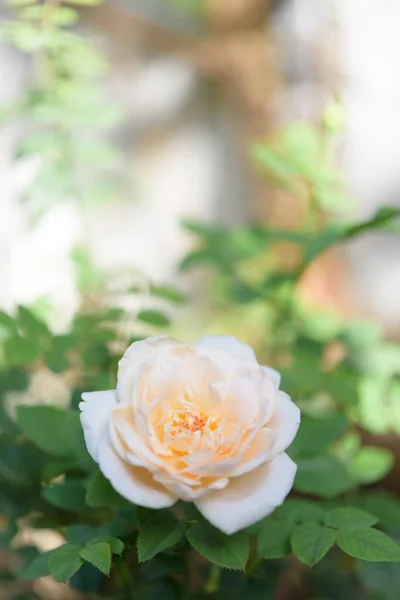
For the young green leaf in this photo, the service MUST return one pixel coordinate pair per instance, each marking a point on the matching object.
(101, 493)
(116, 545)
(99, 555)
(368, 544)
(64, 562)
(45, 427)
(349, 516)
(153, 317)
(274, 539)
(310, 542)
(158, 534)
(39, 567)
(167, 293)
(228, 551)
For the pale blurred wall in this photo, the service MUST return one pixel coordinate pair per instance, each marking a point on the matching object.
(369, 49)
(350, 48)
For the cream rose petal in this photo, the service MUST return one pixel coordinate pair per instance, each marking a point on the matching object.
(249, 498)
(96, 408)
(273, 376)
(285, 421)
(133, 483)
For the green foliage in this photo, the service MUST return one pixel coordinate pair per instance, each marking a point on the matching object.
(371, 464)
(66, 106)
(322, 476)
(39, 567)
(153, 317)
(310, 542)
(349, 516)
(101, 493)
(273, 540)
(69, 495)
(367, 543)
(99, 555)
(159, 532)
(64, 562)
(228, 551)
(45, 426)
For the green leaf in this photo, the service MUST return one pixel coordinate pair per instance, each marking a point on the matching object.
(371, 464)
(7, 532)
(368, 544)
(81, 534)
(228, 551)
(116, 545)
(19, 351)
(298, 511)
(274, 539)
(56, 357)
(321, 475)
(64, 562)
(318, 244)
(168, 293)
(69, 495)
(306, 513)
(382, 218)
(76, 440)
(158, 534)
(39, 567)
(315, 435)
(302, 141)
(310, 542)
(385, 506)
(62, 15)
(45, 426)
(101, 493)
(30, 325)
(153, 317)
(99, 555)
(8, 322)
(349, 516)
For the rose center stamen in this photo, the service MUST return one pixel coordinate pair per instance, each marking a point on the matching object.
(194, 424)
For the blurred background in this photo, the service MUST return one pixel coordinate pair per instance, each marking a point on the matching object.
(195, 83)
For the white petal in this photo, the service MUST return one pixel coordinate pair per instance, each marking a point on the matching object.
(133, 483)
(190, 493)
(285, 421)
(273, 376)
(249, 498)
(96, 413)
(230, 345)
(136, 446)
(257, 453)
(134, 358)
